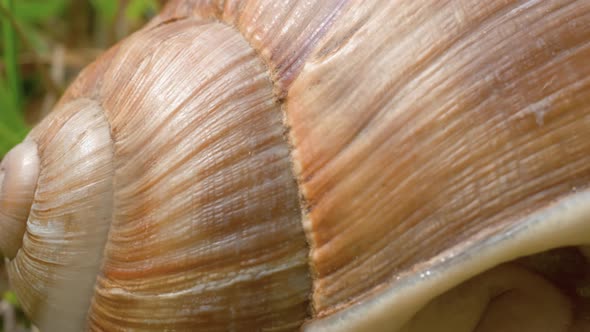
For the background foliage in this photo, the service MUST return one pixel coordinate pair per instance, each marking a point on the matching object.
(43, 45)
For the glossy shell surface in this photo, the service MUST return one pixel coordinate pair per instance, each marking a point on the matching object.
(267, 165)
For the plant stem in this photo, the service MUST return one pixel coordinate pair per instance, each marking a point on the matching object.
(10, 57)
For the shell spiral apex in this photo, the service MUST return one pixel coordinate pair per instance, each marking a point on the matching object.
(18, 178)
(258, 165)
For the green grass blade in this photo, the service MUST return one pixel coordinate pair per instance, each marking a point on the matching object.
(9, 137)
(12, 126)
(10, 56)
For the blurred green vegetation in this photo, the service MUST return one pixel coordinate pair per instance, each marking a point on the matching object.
(43, 45)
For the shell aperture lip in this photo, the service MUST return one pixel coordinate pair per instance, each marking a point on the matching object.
(18, 179)
(563, 223)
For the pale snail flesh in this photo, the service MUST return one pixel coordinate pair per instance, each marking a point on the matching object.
(325, 166)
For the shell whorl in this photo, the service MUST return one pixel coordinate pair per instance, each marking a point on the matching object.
(19, 171)
(213, 152)
(264, 162)
(208, 144)
(55, 272)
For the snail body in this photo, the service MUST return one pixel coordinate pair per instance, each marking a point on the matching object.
(330, 165)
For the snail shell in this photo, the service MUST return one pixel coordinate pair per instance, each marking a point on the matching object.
(259, 165)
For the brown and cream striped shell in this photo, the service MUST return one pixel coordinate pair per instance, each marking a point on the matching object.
(328, 165)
